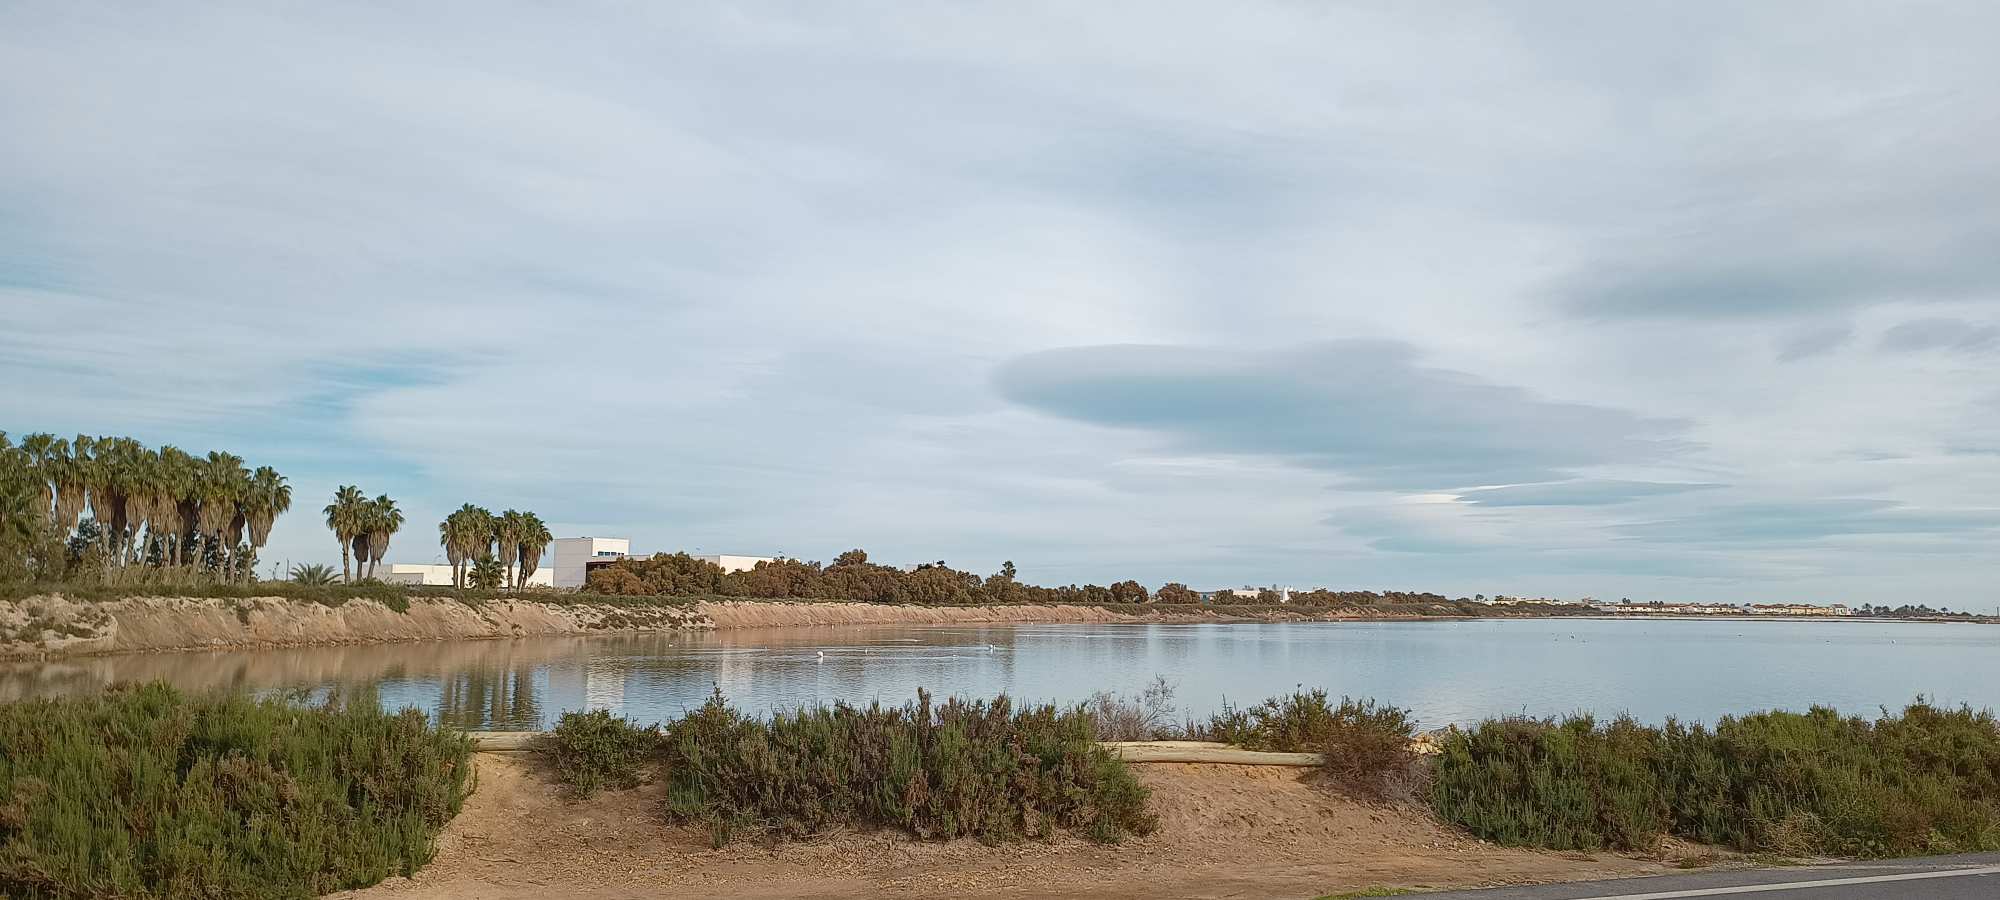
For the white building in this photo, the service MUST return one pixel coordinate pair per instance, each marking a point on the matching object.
(439, 575)
(731, 563)
(573, 556)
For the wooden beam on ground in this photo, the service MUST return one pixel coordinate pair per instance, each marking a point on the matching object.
(1205, 752)
(1130, 751)
(504, 741)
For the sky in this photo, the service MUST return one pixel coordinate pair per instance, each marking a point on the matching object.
(1682, 300)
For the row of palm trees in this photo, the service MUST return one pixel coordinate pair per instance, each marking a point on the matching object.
(513, 540)
(138, 506)
(363, 527)
(163, 507)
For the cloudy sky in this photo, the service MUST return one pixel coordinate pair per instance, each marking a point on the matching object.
(1675, 300)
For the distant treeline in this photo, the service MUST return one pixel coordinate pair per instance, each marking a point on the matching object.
(852, 577)
(1907, 611)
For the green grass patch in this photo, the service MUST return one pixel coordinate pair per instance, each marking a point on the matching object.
(147, 792)
(1925, 781)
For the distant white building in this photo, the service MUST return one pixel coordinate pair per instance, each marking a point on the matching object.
(733, 563)
(439, 575)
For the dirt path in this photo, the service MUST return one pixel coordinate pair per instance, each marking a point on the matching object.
(1225, 831)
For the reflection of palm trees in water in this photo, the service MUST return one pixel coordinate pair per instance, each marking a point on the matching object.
(487, 697)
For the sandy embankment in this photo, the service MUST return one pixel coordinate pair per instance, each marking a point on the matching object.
(1225, 831)
(52, 625)
(55, 626)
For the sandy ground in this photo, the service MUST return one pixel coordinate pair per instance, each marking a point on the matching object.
(1225, 831)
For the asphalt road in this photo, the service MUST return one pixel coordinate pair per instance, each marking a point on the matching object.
(1971, 877)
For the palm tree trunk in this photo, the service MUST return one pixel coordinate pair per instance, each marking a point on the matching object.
(345, 554)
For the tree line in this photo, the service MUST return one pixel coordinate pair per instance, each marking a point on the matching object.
(851, 576)
(71, 506)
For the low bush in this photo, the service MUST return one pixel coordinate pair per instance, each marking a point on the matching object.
(979, 769)
(1146, 717)
(595, 750)
(1926, 780)
(1570, 786)
(146, 792)
(1365, 744)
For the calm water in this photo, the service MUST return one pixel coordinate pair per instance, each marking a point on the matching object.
(1447, 672)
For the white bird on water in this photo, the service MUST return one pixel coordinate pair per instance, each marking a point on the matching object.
(821, 655)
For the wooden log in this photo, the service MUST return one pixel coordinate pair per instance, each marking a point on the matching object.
(1130, 751)
(1205, 752)
(505, 743)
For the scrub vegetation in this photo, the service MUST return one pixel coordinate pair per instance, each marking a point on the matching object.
(981, 769)
(853, 577)
(1367, 745)
(1923, 781)
(147, 792)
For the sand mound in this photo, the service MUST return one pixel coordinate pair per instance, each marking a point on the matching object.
(1226, 831)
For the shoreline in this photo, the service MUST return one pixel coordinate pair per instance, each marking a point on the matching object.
(52, 626)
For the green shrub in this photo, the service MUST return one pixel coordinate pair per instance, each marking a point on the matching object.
(1546, 784)
(978, 769)
(594, 750)
(1367, 745)
(146, 792)
(1924, 781)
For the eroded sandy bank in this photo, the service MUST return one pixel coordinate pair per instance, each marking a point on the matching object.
(52, 625)
(56, 626)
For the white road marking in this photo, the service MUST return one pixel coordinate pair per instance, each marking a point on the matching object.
(1800, 885)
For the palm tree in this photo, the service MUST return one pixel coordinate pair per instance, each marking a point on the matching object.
(314, 575)
(448, 540)
(38, 460)
(95, 471)
(475, 536)
(346, 517)
(486, 573)
(70, 473)
(221, 488)
(174, 500)
(116, 481)
(507, 543)
(384, 520)
(269, 498)
(535, 538)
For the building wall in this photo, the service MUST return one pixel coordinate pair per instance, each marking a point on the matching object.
(572, 553)
(731, 563)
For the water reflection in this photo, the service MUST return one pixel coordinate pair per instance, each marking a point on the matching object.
(1445, 671)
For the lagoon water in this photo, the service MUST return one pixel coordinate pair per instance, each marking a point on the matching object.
(1445, 671)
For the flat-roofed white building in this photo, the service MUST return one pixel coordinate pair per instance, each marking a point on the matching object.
(733, 563)
(574, 555)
